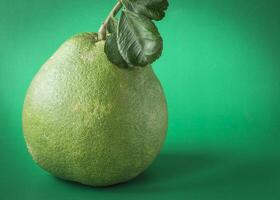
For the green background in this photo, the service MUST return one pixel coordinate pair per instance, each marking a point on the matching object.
(221, 74)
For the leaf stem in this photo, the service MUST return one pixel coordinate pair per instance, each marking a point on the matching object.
(103, 27)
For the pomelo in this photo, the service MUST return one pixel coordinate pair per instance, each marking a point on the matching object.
(87, 120)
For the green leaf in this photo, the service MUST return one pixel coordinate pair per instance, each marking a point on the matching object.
(112, 25)
(112, 51)
(139, 41)
(153, 9)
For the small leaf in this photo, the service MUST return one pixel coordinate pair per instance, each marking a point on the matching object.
(112, 51)
(139, 41)
(112, 25)
(153, 9)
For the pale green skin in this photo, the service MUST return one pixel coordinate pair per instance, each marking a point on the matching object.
(89, 121)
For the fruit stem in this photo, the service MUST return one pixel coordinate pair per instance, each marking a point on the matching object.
(113, 13)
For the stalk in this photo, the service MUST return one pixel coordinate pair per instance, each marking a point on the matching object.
(113, 13)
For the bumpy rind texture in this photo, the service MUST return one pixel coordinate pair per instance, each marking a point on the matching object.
(87, 120)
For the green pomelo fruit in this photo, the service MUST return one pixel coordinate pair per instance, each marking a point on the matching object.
(87, 120)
